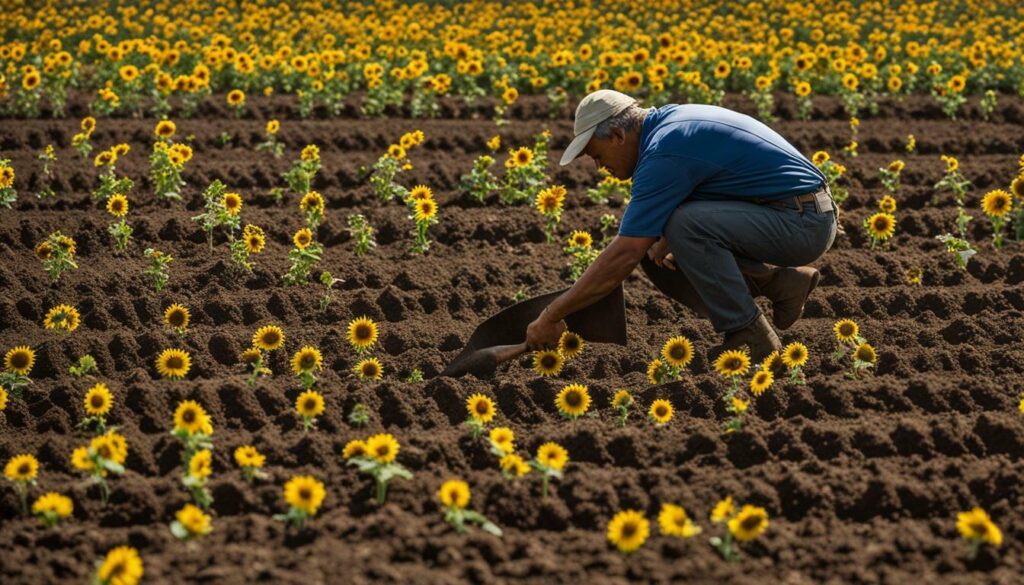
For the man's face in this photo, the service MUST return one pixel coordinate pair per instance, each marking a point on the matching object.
(618, 153)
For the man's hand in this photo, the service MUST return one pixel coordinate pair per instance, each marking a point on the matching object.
(544, 333)
(660, 255)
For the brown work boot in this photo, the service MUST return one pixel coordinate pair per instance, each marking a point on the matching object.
(787, 289)
(759, 338)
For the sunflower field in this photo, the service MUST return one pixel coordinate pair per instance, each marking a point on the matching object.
(239, 243)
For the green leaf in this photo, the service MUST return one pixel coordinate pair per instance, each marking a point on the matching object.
(113, 466)
(180, 531)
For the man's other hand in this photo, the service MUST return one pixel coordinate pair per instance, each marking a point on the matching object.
(660, 255)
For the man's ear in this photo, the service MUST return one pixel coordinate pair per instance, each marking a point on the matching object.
(619, 136)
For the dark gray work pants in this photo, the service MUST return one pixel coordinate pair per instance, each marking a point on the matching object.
(715, 243)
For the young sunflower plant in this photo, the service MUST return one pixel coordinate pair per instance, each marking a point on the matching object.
(197, 473)
(362, 233)
(622, 402)
(221, 209)
(190, 522)
(480, 411)
(454, 495)
(676, 355)
(977, 528)
(97, 403)
(890, 176)
(51, 508)
(167, 161)
(832, 171)
(743, 525)
(22, 470)
(549, 204)
(733, 365)
(49, 158)
(377, 460)
(525, 171)
(157, 269)
(252, 242)
(423, 213)
(18, 362)
(57, 252)
(300, 176)
(306, 254)
(580, 246)
(309, 405)
(104, 455)
(271, 144)
(628, 530)
(480, 181)
(550, 462)
(997, 205)
(304, 495)
(306, 361)
(110, 184)
(572, 401)
(251, 461)
(8, 195)
(121, 566)
(117, 206)
(609, 187)
(80, 141)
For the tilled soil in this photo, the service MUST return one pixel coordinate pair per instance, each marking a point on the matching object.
(862, 478)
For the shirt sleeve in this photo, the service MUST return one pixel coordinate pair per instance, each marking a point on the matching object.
(660, 184)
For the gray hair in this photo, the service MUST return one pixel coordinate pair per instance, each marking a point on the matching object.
(630, 119)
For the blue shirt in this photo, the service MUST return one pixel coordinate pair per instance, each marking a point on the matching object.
(697, 152)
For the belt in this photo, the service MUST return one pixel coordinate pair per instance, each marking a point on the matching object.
(797, 202)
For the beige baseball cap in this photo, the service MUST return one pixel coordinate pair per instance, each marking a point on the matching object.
(592, 110)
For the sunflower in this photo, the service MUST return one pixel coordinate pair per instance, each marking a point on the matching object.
(503, 438)
(723, 510)
(193, 520)
(573, 400)
(53, 504)
(654, 371)
(248, 456)
(570, 345)
(480, 407)
(580, 239)
(362, 333)
(622, 399)
(794, 355)
(396, 152)
(956, 83)
(310, 152)
(802, 89)
(819, 158)
(303, 238)
(661, 411)
(513, 465)
(63, 318)
(749, 523)
(894, 84)
(628, 530)
(549, 201)
(30, 81)
(454, 493)
(182, 151)
(273, 126)
(761, 381)
(383, 447)
(165, 129)
(494, 143)
(510, 95)
(997, 203)
(881, 226)
(23, 468)
(722, 70)
(370, 369)
(312, 201)
(6, 177)
(121, 566)
(105, 158)
(674, 521)
(176, 317)
(354, 448)
(420, 192)
(552, 455)
(250, 356)
(850, 81)
(521, 156)
(952, 164)
(732, 363)
(236, 98)
(173, 364)
(20, 360)
(309, 404)
(88, 124)
(117, 205)
(3, 398)
(865, 353)
(190, 417)
(268, 338)
(887, 204)
(846, 331)
(307, 359)
(232, 203)
(547, 362)
(304, 493)
(426, 209)
(977, 526)
(1017, 188)
(81, 461)
(677, 351)
(254, 242)
(98, 400)
(201, 464)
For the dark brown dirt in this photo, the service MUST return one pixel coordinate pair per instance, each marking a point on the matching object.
(862, 479)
